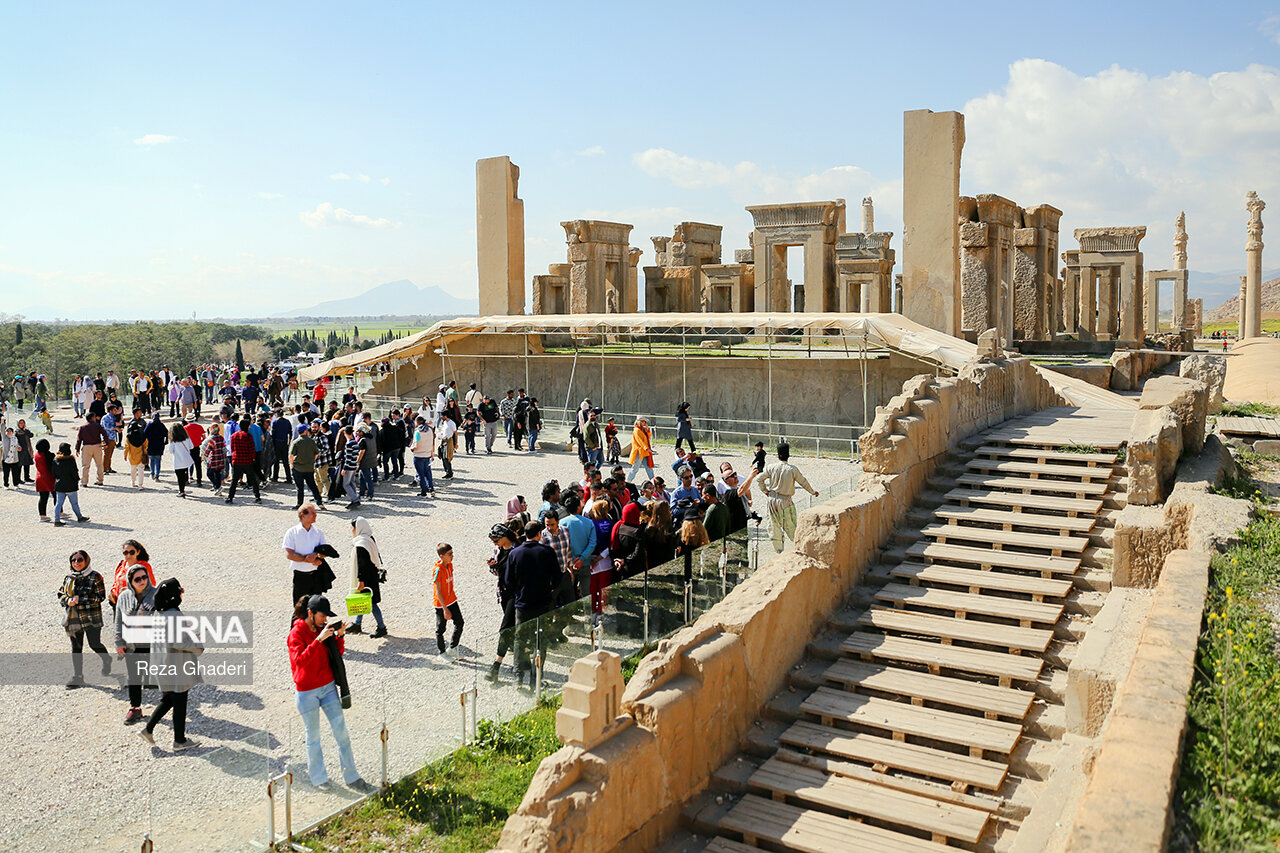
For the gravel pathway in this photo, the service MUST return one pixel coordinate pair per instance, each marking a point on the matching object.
(84, 776)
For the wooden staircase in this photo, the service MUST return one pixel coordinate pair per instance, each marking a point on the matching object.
(926, 714)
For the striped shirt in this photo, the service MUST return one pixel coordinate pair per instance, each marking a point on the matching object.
(351, 454)
(559, 542)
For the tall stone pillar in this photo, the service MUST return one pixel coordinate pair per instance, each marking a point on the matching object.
(1088, 304)
(868, 216)
(1106, 304)
(1253, 267)
(1180, 242)
(931, 147)
(499, 236)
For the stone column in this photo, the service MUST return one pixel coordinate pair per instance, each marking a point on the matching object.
(1180, 242)
(931, 147)
(499, 236)
(1151, 299)
(1069, 289)
(1253, 267)
(868, 216)
(1106, 327)
(1088, 324)
(1130, 325)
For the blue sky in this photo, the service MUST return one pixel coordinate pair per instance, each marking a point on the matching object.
(237, 159)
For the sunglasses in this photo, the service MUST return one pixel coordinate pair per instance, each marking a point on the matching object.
(137, 578)
(129, 552)
(77, 559)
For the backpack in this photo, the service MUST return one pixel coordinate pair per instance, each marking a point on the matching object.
(136, 434)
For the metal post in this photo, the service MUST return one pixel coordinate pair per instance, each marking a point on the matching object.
(462, 700)
(475, 712)
(862, 355)
(537, 659)
(684, 384)
(601, 403)
(526, 364)
(646, 606)
(769, 360)
(383, 735)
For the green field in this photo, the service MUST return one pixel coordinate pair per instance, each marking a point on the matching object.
(1268, 326)
(373, 330)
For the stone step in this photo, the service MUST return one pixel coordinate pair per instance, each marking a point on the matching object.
(808, 674)
(702, 814)
(1115, 500)
(732, 776)
(1019, 796)
(784, 705)
(1096, 580)
(1059, 654)
(1033, 758)
(1048, 721)
(761, 740)
(905, 536)
(1051, 686)
(931, 498)
(684, 841)
(1085, 602)
(918, 517)
(826, 645)
(1073, 628)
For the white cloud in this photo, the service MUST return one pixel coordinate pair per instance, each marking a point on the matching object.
(154, 139)
(593, 151)
(269, 196)
(364, 179)
(1122, 148)
(339, 176)
(326, 215)
(386, 182)
(1270, 27)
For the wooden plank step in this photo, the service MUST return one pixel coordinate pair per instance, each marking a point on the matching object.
(886, 753)
(964, 602)
(759, 819)
(936, 656)
(1051, 503)
(968, 533)
(982, 515)
(976, 579)
(988, 557)
(1038, 469)
(950, 629)
(1045, 454)
(782, 779)
(1004, 701)
(1027, 485)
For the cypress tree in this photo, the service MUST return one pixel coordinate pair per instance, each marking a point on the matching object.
(239, 355)
(17, 334)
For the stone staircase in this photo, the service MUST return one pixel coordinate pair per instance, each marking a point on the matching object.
(927, 713)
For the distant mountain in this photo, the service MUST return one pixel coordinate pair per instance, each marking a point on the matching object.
(1230, 310)
(1215, 288)
(394, 297)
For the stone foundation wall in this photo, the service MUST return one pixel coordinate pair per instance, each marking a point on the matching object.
(692, 701)
(1131, 365)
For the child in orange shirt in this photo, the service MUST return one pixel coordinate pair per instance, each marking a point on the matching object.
(446, 601)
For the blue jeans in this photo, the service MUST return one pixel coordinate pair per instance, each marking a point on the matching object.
(422, 465)
(208, 393)
(366, 482)
(310, 703)
(155, 466)
(596, 456)
(377, 617)
(533, 438)
(349, 480)
(74, 497)
(641, 462)
(506, 428)
(77, 407)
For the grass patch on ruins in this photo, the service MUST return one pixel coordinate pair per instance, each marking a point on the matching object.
(458, 803)
(632, 662)
(1229, 791)
(1078, 448)
(1248, 410)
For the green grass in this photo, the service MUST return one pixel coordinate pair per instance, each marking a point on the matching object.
(631, 663)
(1268, 326)
(1228, 794)
(456, 804)
(1248, 410)
(1073, 447)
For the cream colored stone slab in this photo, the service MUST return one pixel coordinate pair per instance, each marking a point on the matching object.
(499, 236)
(931, 147)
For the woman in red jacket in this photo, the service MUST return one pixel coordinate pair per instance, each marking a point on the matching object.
(44, 476)
(311, 641)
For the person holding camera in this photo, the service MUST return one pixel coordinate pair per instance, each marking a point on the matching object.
(312, 640)
(81, 594)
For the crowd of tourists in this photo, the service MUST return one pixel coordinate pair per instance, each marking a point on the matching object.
(582, 537)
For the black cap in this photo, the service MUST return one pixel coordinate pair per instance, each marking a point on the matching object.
(498, 531)
(320, 604)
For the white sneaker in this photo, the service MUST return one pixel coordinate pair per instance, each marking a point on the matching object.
(445, 655)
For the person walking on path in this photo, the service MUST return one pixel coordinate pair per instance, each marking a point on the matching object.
(132, 555)
(9, 456)
(593, 441)
(531, 577)
(778, 483)
(196, 433)
(488, 411)
(684, 426)
(66, 485)
(110, 423)
(135, 453)
(243, 458)
(301, 543)
(44, 477)
(89, 444)
(302, 456)
(181, 448)
(500, 536)
(313, 641)
(81, 596)
(423, 449)
(533, 419)
(214, 452)
(445, 600)
(446, 437)
(507, 409)
(157, 438)
(353, 450)
(137, 599)
(641, 449)
(366, 573)
(282, 437)
(25, 454)
(173, 660)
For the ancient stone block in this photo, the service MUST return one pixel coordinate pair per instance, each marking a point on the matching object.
(499, 236)
(1155, 443)
(1212, 371)
(973, 235)
(1187, 397)
(931, 148)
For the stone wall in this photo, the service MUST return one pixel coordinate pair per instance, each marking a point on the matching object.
(1126, 805)
(1130, 366)
(692, 701)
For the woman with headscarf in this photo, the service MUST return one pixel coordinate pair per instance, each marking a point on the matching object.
(601, 566)
(626, 545)
(157, 437)
(25, 454)
(81, 594)
(172, 660)
(214, 452)
(584, 409)
(44, 476)
(137, 599)
(366, 572)
(132, 554)
(517, 512)
(9, 457)
(684, 426)
(181, 446)
(641, 449)
(659, 542)
(66, 485)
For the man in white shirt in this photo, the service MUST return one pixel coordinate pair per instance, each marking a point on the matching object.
(446, 432)
(423, 447)
(778, 482)
(473, 397)
(113, 382)
(300, 544)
